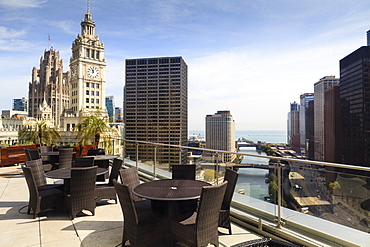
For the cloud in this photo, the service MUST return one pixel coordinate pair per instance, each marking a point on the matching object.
(22, 3)
(8, 33)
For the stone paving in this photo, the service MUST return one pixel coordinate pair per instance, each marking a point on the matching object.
(17, 228)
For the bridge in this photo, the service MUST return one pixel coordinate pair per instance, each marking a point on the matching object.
(246, 144)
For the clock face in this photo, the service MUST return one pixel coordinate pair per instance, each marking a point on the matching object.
(93, 72)
(74, 72)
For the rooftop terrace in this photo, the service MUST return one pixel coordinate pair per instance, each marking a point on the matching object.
(17, 228)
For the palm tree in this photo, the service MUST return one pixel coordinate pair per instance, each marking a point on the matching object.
(39, 132)
(94, 127)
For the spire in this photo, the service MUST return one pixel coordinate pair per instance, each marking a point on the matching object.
(87, 25)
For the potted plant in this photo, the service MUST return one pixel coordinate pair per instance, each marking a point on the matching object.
(94, 127)
(39, 132)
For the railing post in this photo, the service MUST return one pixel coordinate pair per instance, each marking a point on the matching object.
(279, 194)
(217, 166)
(155, 161)
(137, 155)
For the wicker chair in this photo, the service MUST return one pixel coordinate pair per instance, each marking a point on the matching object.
(265, 242)
(107, 191)
(33, 154)
(40, 201)
(141, 228)
(183, 172)
(105, 164)
(201, 227)
(65, 157)
(224, 220)
(44, 149)
(37, 169)
(83, 162)
(82, 190)
(130, 177)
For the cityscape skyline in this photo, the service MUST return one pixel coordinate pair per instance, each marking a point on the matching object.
(248, 58)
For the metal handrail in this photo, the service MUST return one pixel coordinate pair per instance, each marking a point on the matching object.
(320, 163)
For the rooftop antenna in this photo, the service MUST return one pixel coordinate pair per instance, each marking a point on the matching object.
(88, 6)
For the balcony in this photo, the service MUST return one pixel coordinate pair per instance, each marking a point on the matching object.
(315, 212)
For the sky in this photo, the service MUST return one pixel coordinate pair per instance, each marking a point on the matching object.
(251, 57)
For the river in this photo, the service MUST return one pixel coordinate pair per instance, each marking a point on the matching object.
(252, 180)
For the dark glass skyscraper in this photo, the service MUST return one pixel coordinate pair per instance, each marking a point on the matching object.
(156, 107)
(355, 107)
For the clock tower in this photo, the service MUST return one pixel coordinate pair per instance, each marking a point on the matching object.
(87, 66)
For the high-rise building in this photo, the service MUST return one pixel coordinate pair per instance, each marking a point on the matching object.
(293, 121)
(304, 121)
(332, 124)
(118, 116)
(156, 107)
(87, 66)
(109, 104)
(48, 93)
(20, 104)
(319, 130)
(355, 107)
(87, 77)
(220, 133)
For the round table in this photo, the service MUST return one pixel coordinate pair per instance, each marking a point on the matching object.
(65, 173)
(170, 190)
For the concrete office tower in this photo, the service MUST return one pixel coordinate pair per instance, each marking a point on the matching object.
(48, 93)
(87, 66)
(355, 107)
(220, 133)
(109, 104)
(156, 107)
(304, 121)
(20, 104)
(332, 125)
(319, 128)
(293, 126)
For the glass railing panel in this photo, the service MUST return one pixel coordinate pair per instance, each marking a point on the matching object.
(337, 195)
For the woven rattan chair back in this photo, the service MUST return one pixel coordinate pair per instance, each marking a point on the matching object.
(208, 213)
(34, 154)
(130, 177)
(183, 172)
(231, 177)
(82, 190)
(224, 218)
(44, 149)
(83, 161)
(37, 170)
(65, 157)
(41, 200)
(28, 157)
(130, 216)
(117, 165)
(33, 202)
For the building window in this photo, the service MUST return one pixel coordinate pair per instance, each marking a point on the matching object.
(97, 101)
(92, 100)
(92, 92)
(93, 53)
(87, 84)
(97, 93)
(87, 52)
(97, 85)
(87, 100)
(92, 85)
(87, 92)
(97, 54)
